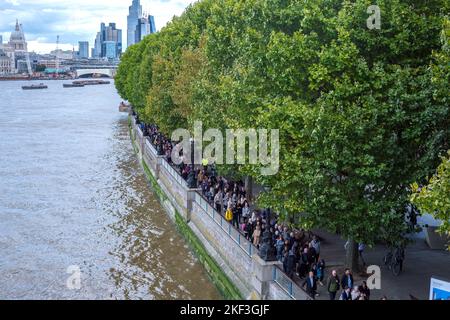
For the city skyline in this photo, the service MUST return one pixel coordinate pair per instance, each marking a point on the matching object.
(75, 22)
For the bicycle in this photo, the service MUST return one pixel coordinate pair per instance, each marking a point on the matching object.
(394, 260)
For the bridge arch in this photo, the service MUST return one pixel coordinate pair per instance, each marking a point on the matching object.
(85, 73)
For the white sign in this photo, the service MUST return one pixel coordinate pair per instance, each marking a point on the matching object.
(439, 289)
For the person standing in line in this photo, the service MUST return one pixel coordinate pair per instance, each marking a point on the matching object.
(310, 285)
(218, 200)
(246, 210)
(321, 271)
(347, 279)
(257, 234)
(355, 294)
(361, 248)
(365, 290)
(346, 294)
(315, 243)
(291, 263)
(279, 244)
(333, 285)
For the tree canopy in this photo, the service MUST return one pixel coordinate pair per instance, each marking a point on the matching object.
(362, 113)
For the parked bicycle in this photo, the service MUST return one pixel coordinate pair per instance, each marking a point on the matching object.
(394, 260)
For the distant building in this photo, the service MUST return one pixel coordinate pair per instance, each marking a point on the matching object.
(135, 12)
(83, 50)
(110, 48)
(17, 40)
(98, 46)
(1, 39)
(5, 63)
(103, 47)
(145, 26)
(63, 54)
(49, 64)
(15, 50)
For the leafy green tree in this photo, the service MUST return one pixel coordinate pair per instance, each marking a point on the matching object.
(434, 197)
(362, 113)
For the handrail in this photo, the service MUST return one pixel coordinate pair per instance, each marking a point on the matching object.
(287, 284)
(246, 245)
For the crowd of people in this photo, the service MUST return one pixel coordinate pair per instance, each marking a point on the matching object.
(228, 197)
(296, 249)
(350, 291)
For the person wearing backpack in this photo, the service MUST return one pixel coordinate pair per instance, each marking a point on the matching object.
(320, 271)
(333, 285)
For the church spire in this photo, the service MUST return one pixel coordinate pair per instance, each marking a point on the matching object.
(17, 25)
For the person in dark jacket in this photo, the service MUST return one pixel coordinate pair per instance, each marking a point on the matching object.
(312, 255)
(346, 294)
(320, 271)
(310, 284)
(303, 266)
(347, 279)
(333, 285)
(365, 290)
(291, 263)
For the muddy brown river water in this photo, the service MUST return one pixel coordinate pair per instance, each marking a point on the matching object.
(73, 197)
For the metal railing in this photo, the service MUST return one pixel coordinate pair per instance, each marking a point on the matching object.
(151, 147)
(174, 173)
(246, 245)
(288, 285)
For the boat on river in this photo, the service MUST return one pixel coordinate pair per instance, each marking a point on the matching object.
(35, 87)
(73, 85)
(123, 107)
(91, 82)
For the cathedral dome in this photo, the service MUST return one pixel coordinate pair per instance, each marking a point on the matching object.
(17, 40)
(17, 34)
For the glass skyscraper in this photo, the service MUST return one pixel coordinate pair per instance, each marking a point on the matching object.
(108, 34)
(135, 12)
(83, 49)
(145, 26)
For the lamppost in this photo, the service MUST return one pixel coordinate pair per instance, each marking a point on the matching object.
(191, 180)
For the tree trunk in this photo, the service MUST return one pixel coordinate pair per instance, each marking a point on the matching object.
(249, 188)
(352, 256)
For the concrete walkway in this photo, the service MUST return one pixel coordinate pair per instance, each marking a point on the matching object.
(421, 263)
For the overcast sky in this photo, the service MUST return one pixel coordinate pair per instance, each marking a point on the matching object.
(76, 20)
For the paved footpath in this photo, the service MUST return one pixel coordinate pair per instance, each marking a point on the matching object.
(421, 263)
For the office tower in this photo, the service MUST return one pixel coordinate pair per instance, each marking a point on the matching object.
(104, 41)
(151, 21)
(145, 26)
(98, 46)
(110, 48)
(135, 12)
(83, 49)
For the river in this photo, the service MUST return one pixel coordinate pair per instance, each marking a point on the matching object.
(77, 217)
